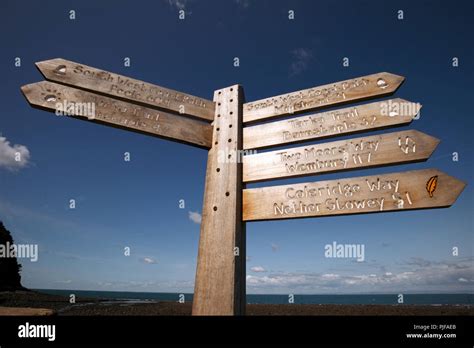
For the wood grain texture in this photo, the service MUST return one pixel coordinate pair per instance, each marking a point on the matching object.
(83, 76)
(104, 110)
(367, 194)
(364, 152)
(354, 119)
(220, 274)
(322, 96)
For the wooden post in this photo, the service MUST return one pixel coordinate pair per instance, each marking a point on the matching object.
(220, 274)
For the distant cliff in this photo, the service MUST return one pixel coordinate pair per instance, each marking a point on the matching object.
(10, 278)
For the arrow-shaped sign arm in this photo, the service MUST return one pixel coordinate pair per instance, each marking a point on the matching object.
(68, 101)
(341, 92)
(349, 154)
(418, 189)
(353, 119)
(126, 88)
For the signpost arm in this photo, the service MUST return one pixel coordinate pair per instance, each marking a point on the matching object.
(220, 274)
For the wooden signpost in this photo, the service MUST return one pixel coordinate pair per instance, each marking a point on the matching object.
(99, 96)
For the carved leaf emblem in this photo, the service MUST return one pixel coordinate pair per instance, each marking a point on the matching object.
(431, 185)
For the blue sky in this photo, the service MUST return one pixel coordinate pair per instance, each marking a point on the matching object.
(136, 203)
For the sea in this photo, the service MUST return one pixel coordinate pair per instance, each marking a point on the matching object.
(383, 299)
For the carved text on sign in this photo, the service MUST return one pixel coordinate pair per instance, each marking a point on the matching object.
(377, 193)
(309, 98)
(69, 101)
(331, 94)
(138, 90)
(330, 123)
(388, 148)
(86, 77)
